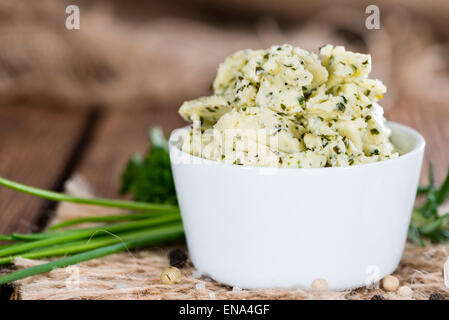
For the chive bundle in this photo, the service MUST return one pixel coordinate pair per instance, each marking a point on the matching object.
(154, 223)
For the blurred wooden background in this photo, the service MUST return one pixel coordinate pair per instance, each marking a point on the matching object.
(56, 121)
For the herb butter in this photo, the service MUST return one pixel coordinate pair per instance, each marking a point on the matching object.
(286, 107)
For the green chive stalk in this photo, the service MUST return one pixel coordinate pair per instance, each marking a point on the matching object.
(159, 235)
(80, 246)
(44, 235)
(57, 196)
(71, 236)
(6, 238)
(115, 218)
(52, 233)
(41, 235)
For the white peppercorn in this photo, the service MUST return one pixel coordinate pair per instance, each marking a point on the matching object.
(319, 285)
(405, 292)
(390, 283)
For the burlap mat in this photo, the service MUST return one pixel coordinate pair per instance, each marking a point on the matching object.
(135, 275)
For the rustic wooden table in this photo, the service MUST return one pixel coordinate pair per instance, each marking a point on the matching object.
(45, 146)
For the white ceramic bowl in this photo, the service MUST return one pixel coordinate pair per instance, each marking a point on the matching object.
(254, 227)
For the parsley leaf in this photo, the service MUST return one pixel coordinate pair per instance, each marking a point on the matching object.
(149, 178)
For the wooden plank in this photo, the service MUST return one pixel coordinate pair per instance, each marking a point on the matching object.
(36, 145)
(433, 123)
(120, 134)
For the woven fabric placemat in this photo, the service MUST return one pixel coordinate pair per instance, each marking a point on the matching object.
(136, 274)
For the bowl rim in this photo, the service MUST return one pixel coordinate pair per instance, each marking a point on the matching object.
(419, 147)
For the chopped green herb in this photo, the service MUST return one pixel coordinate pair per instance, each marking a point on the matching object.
(341, 107)
(307, 94)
